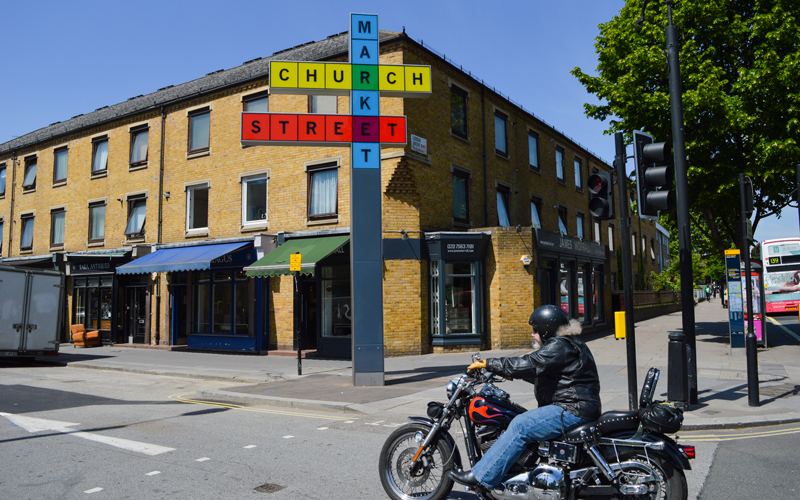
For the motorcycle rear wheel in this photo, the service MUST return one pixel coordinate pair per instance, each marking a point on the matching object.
(672, 481)
(431, 482)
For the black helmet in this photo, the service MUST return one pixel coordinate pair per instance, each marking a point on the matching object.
(547, 320)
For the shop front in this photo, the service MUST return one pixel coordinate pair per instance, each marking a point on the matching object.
(572, 275)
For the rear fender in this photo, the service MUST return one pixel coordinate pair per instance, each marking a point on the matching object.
(444, 435)
(670, 452)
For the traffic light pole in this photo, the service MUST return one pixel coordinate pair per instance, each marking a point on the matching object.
(751, 342)
(627, 271)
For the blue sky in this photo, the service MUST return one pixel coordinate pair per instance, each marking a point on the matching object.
(62, 59)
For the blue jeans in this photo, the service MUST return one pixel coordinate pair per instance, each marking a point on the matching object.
(540, 424)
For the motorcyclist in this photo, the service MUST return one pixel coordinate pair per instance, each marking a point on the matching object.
(567, 390)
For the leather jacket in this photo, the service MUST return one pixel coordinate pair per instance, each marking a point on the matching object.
(564, 373)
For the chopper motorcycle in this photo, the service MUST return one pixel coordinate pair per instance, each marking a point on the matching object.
(623, 455)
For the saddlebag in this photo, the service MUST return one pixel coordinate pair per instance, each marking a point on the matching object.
(661, 417)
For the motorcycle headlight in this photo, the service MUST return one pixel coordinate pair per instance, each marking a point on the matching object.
(451, 389)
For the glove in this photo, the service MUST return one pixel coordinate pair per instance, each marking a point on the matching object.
(477, 365)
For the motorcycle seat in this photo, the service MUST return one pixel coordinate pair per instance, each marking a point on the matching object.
(609, 422)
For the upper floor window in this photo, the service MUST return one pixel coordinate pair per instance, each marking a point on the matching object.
(97, 221)
(139, 144)
(323, 104)
(458, 111)
(596, 235)
(560, 164)
(578, 174)
(533, 150)
(323, 193)
(197, 207)
(579, 219)
(137, 212)
(26, 236)
(29, 181)
(633, 244)
(60, 165)
(461, 196)
(536, 209)
(1, 236)
(502, 206)
(99, 155)
(644, 244)
(254, 199)
(2, 179)
(500, 136)
(199, 130)
(57, 220)
(562, 220)
(610, 237)
(652, 249)
(256, 103)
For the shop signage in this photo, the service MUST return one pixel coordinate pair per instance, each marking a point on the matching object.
(91, 267)
(240, 258)
(461, 247)
(558, 243)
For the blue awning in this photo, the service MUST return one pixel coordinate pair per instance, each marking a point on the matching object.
(168, 260)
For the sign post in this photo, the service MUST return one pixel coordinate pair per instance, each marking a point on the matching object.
(735, 304)
(365, 130)
(295, 263)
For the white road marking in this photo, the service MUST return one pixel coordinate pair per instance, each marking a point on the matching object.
(154, 473)
(288, 437)
(33, 425)
(375, 423)
(249, 446)
(202, 459)
(322, 428)
(93, 490)
(349, 421)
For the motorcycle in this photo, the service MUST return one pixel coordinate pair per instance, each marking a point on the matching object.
(622, 455)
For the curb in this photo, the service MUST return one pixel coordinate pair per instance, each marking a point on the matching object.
(301, 404)
(165, 373)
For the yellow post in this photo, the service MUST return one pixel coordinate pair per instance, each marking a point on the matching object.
(619, 325)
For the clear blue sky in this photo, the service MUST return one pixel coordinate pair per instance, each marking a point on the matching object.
(61, 59)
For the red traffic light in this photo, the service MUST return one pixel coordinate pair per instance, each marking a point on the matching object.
(601, 195)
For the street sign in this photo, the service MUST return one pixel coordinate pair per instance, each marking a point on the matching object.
(295, 260)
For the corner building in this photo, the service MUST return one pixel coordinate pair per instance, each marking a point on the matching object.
(171, 232)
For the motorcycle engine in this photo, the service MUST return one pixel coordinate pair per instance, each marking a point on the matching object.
(545, 482)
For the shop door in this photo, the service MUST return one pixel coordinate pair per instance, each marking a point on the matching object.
(308, 315)
(335, 313)
(135, 313)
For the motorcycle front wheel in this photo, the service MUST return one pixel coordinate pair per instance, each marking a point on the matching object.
(401, 481)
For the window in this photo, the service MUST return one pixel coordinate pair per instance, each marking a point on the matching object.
(323, 194)
(502, 206)
(91, 301)
(562, 220)
(560, 164)
(644, 246)
(99, 155)
(611, 238)
(536, 209)
(633, 244)
(500, 139)
(2, 179)
(57, 218)
(199, 130)
(461, 196)
(323, 104)
(60, 165)
(579, 220)
(578, 174)
(256, 103)
(1, 236)
(26, 238)
(652, 249)
(220, 303)
(139, 140)
(596, 234)
(97, 221)
(254, 199)
(137, 211)
(29, 181)
(197, 207)
(456, 303)
(533, 150)
(458, 111)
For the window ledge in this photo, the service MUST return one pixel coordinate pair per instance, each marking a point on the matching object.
(99, 175)
(134, 168)
(60, 183)
(561, 181)
(460, 137)
(26, 252)
(322, 222)
(506, 157)
(199, 154)
(3, 196)
(535, 169)
(136, 239)
(254, 227)
(28, 190)
(56, 248)
(579, 189)
(196, 233)
(96, 244)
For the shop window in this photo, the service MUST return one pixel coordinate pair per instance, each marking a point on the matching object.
(578, 174)
(598, 312)
(502, 206)
(582, 280)
(455, 302)
(220, 303)
(565, 285)
(562, 220)
(461, 196)
(139, 146)
(29, 181)
(336, 319)
(323, 104)
(199, 131)
(579, 220)
(254, 199)
(99, 155)
(2, 179)
(560, 164)
(197, 207)
(458, 111)
(323, 191)
(57, 220)
(97, 222)
(91, 304)
(137, 212)
(536, 209)
(500, 133)
(26, 236)
(256, 103)
(533, 150)
(610, 237)
(60, 165)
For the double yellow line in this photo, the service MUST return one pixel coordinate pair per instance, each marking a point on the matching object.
(183, 398)
(712, 438)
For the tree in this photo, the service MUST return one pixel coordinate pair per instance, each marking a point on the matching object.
(740, 66)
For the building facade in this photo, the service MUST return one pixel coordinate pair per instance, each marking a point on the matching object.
(171, 232)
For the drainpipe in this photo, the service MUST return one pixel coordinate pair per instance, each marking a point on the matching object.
(485, 188)
(160, 218)
(13, 190)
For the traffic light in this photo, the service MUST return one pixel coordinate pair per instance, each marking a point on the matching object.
(601, 195)
(653, 182)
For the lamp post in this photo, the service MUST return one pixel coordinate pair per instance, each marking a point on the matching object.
(682, 194)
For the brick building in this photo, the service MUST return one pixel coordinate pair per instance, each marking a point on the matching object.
(158, 215)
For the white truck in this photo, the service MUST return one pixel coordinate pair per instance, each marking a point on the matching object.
(31, 307)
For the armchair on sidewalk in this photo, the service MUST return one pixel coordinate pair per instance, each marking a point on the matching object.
(83, 338)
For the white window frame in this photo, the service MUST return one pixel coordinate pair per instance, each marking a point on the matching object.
(244, 179)
(560, 164)
(578, 166)
(191, 189)
(533, 152)
(580, 221)
(130, 199)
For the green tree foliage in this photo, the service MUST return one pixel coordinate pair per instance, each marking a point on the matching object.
(740, 68)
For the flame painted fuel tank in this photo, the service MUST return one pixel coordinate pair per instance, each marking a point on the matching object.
(492, 411)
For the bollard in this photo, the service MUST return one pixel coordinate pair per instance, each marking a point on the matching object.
(677, 379)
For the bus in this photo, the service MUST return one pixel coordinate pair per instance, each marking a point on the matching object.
(781, 258)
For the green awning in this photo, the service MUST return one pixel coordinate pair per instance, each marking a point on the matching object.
(312, 250)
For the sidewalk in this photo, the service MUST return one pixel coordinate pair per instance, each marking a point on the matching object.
(412, 381)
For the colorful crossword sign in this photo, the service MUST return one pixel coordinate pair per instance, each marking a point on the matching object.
(281, 129)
